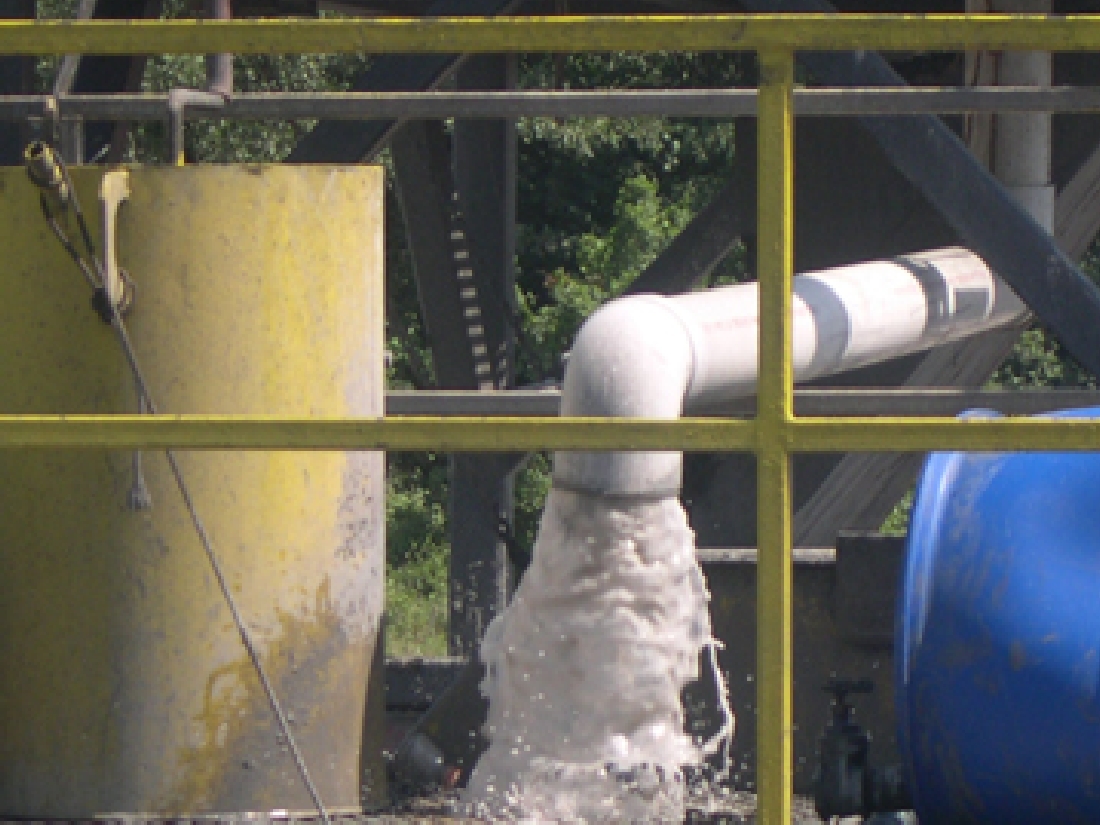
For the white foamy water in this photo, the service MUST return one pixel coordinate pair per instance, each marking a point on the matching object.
(586, 666)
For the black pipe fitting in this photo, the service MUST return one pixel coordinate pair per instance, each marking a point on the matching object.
(844, 783)
(45, 171)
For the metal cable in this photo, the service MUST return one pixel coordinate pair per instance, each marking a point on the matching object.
(55, 227)
(74, 202)
(116, 323)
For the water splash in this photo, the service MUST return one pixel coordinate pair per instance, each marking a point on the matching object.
(586, 666)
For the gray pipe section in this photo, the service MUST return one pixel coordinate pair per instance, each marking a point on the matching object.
(219, 67)
(652, 356)
(1022, 141)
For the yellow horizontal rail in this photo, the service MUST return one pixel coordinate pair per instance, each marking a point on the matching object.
(809, 435)
(725, 32)
(501, 434)
(449, 434)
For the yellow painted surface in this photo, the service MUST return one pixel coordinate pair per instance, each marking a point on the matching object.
(125, 686)
(923, 434)
(775, 410)
(719, 32)
(458, 433)
(484, 434)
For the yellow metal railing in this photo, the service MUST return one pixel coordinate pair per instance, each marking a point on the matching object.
(776, 432)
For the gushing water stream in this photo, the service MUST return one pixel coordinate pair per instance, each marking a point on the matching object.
(586, 666)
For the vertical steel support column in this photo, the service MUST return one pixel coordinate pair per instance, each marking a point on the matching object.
(775, 410)
(481, 490)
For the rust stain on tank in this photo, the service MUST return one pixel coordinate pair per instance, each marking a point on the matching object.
(237, 727)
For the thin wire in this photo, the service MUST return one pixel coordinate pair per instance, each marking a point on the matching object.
(89, 244)
(177, 472)
(51, 220)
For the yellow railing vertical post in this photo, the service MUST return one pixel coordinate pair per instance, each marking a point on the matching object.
(775, 409)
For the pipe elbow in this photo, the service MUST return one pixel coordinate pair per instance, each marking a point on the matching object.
(649, 356)
(634, 358)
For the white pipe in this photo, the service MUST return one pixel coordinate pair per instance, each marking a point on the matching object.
(650, 356)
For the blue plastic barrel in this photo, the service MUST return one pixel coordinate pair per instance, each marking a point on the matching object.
(998, 639)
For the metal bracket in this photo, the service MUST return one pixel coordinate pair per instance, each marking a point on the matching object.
(178, 101)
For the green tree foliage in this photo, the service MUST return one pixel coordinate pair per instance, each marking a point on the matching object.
(603, 264)
(599, 198)
(417, 552)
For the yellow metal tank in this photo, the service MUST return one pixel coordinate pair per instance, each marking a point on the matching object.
(124, 686)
